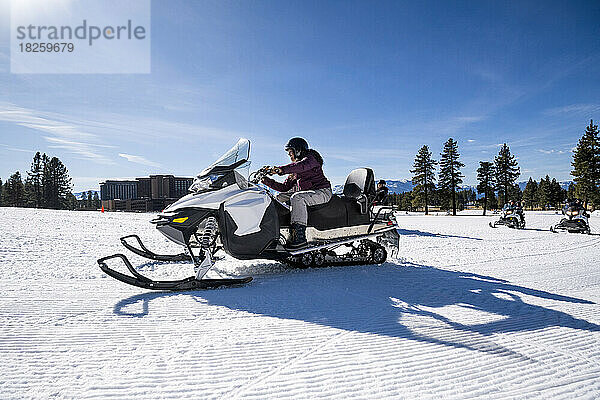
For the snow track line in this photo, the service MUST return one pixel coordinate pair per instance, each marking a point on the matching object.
(539, 388)
(588, 243)
(514, 338)
(236, 393)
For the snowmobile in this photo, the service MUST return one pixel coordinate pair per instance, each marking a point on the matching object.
(576, 220)
(225, 211)
(511, 218)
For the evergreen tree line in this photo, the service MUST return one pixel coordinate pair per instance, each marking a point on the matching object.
(47, 185)
(497, 180)
(90, 199)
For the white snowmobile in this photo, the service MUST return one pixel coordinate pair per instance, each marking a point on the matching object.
(224, 211)
(576, 220)
(510, 217)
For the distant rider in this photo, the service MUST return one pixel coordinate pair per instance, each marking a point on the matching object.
(520, 212)
(574, 205)
(512, 206)
(306, 185)
(381, 194)
(509, 206)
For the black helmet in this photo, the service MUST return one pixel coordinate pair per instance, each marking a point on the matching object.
(298, 145)
(381, 182)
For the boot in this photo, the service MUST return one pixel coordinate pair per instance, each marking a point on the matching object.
(298, 240)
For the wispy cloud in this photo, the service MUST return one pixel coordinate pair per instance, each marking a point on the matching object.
(139, 160)
(63, 135)
(365, 155)
(445, 126)
(574, 109)
(87, 138)
(11, 148)
(553, 151)
(83, 150)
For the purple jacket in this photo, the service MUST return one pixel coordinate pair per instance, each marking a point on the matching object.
(306, 174)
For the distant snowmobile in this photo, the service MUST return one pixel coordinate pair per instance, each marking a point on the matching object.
(226, 211)
(576, 220)
(511, 217)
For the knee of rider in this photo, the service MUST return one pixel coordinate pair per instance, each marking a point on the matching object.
(296, 199)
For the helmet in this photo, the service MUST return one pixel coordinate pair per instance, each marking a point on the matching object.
(298, 145)
(381, 182)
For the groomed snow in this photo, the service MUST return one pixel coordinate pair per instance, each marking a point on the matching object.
(467, 312)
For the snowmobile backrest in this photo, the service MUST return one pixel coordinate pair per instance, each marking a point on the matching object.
(360, 181)
(360, 185)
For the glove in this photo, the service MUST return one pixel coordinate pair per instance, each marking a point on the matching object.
(277, 170)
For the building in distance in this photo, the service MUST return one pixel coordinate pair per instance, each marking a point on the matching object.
(153, 193)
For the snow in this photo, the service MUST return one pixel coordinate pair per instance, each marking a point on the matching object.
(467, 312)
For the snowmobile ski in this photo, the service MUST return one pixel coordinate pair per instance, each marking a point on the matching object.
(190, 283)
(144, 252)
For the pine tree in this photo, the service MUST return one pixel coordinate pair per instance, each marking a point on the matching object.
(406, 201)
(14, 192)
(97, 202)
(515, 193)
(507, 172)
(450, 176)
(46, 180)
(89, 202)
(571, 191)
(530, 193)
(486, 177)
(28, 193)
(556, 193)
(71, 202)
(586, 165)
(34, 181)
(56, 184)
(1, 190)
(423, 177)
(544, 196)
(466, 196)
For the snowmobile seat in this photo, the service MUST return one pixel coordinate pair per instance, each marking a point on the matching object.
(350, 209)
(324, 216)
(360, 188)
(328, 215)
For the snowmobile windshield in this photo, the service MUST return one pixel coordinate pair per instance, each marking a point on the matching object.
(236, 157)
(229, 165)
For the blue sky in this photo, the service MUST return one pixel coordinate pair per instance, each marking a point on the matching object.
(366, 83)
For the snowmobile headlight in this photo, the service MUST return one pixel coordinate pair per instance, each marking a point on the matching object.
(572, 213)
(204, 183)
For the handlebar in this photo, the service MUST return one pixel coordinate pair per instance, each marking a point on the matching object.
(257, 176)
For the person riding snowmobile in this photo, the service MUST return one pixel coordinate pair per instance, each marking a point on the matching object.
(576, 220)
(381, 194)
(509, 206)
(516, 207)
(510, 211)
(306, 185)
(574, 205)
(520, 212)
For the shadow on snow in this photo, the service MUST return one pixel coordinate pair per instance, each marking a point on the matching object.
(403, 301)
(415, 232)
